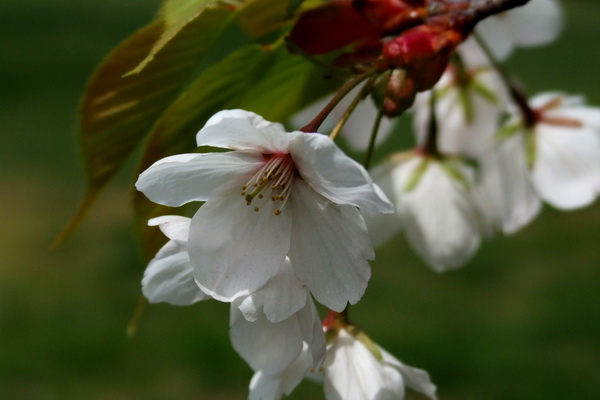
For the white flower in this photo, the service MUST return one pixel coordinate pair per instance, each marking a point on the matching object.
(355, 372)
(536, 23)
(169, 276)
(435, 207)
(276, 194)
(281, 352)
(556, 158)
(566, 159)
(469, 100)
(359, 126)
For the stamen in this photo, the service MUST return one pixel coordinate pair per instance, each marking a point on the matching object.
(277, 174)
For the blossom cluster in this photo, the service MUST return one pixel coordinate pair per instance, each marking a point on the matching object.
(289, 219)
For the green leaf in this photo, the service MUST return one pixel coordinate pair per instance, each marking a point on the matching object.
(260, 17)
(174, 16)
(117, 113)
(264, 79)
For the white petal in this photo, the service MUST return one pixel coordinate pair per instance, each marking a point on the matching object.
(272, 347)
(353, 373)
(284, 294)
(273, 387)
(168, 277)
(234, 249)
(279, 298)
(495, 32)
(414, 378)
(536, 23)
(566, 172)
(264, 345)
(506, 195)
(329, 249)
(440, 217)
(243, 130)
(334, 175)
(175, 227)
(183, 178)
(472, 54)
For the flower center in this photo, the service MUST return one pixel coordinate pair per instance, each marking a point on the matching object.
(274, 179)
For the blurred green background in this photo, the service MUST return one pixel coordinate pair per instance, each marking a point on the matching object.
(521, 321)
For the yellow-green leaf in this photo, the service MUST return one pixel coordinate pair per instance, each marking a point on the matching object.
(117, 112)
(173, 17)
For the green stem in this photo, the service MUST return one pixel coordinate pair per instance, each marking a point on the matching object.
(431, 145)
(372, 139)
(357, 99)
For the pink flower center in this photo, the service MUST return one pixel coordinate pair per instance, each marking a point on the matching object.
(273, 179)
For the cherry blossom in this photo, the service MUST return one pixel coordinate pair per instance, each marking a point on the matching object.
(435, 206)
(565, 167)
(276, 194)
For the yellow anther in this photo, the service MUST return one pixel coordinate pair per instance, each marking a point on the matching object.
(256, 209)
(277, 212)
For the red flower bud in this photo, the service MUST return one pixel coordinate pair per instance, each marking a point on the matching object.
(423, 51)
(330, 27)
(390, 15)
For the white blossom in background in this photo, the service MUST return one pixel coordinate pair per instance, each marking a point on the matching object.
(354, 370)
(536, 23)
(566, 150)
(358, 128)
(276, 194)
(504, 189)
(435, 207)
(556, 160)
(469, 101)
